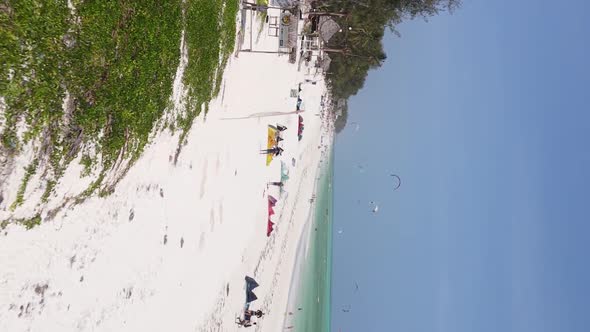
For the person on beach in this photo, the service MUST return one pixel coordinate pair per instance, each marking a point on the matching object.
(277, 151)
(280, 183)
(258, 313)
(246, 322)
(298, 309)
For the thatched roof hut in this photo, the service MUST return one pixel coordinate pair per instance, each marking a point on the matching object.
(327, 28)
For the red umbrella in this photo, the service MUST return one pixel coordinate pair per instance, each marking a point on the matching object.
(269, 227)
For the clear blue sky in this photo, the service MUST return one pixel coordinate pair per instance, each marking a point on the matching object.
(484, 114)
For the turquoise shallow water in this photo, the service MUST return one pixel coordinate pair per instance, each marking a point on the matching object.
(314, 296)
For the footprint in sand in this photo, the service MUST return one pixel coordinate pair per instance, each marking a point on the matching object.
(203, 180)
(212, 220)
(217, 164)
(220, 212)
(202, 241)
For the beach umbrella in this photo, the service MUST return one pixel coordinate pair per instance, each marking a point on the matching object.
(269, 227)
(250, 285)
(284, 174)
(271, 200)
(250, 297)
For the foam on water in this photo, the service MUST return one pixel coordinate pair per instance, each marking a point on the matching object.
(314, 291)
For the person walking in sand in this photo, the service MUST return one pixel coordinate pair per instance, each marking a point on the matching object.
(258, 313)
(277, 151)
(246, 322)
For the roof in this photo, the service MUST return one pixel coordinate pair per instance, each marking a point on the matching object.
(328, 27)
(284, 3)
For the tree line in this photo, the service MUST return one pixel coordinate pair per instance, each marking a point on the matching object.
(358, 47)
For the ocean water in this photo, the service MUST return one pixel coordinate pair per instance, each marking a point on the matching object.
(314, 296)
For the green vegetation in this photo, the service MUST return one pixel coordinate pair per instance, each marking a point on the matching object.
(27, 222)
(130, 58)
(261, 16)
(31, 65)
(91, 188)
(358, 48)
(30, 222)
(29, 172)
(50, 184)
(116, 62)
(340, 122)
(210, 36)
(86, 162)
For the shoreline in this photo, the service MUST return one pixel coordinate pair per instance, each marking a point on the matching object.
(303, 245)
(305, 242)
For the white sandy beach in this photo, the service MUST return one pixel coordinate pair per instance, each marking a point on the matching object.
(169, 249)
